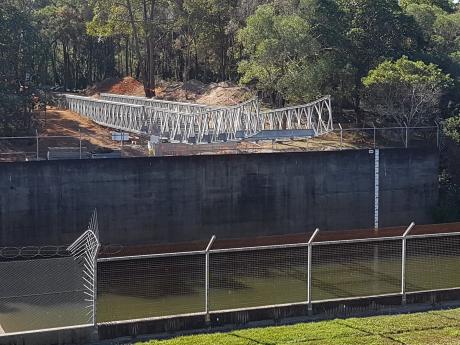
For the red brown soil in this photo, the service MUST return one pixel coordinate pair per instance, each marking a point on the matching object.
(124, 86)
(72, 126)
(323, 236)
(94, 136)
(221, 94)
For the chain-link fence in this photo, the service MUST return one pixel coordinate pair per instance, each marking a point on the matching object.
(53, 287)
(138, 287)
(388, 137)
(85, 146)
(215, 280)
(49, 287)
(41, 294)
(356, 269)
(431, 263)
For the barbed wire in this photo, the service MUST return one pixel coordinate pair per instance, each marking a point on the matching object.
(36, 252)
(31, 252)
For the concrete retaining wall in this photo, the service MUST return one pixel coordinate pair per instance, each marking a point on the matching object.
(176, 199)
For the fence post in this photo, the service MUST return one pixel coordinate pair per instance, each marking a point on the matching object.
(206, 294)
(79, 132)
(376, 188)
(437, 134)
(341, 136)
(310, 250)
(36, 136)
(403, 262)
(407, 136)
(374, 134)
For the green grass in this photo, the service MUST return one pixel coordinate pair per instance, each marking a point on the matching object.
(430, 328)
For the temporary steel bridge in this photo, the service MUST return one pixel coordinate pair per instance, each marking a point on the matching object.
(197, 123)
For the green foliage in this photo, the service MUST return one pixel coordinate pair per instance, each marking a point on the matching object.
(377, 29)
(407, 92)
(278, 46)
(407, 72)
(18, 41)
(425, 16)
(446, 5)
(108, 19)
(452, 128)
(292, 54)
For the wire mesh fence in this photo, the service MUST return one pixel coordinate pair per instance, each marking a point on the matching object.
(38, 291)
(162, 285)
(239, 278)
(42, 294)
(85, 146)
(346, 270)
(148, 287)
(256, 278)
(433, 263)
(49, 287)
(389, 137)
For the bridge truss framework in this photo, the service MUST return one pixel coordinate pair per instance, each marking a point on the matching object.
(197, 123)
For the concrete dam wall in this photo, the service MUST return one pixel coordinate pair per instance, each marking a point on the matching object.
(176, 199)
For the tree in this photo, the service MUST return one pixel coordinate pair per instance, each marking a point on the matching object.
(292, 53)
(376, 30)
(141, 20)
(406, 92)
(446, 5)
(452, 128)
(18, 39)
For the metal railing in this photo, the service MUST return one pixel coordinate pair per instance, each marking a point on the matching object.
(216, 280)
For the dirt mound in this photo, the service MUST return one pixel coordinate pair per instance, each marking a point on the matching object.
(125, 86)
(194, 86)
(224, 93)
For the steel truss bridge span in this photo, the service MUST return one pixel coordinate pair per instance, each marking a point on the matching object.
(195, 123)
(180, 107)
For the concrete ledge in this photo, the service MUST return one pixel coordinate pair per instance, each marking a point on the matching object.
(258, 317)
(166, 327)
(132, 329)
(57, 336)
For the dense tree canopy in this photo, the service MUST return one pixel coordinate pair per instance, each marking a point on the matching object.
(291, 50)
(405, 92)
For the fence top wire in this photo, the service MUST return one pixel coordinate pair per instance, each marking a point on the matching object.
(32, 252)
(120, 252)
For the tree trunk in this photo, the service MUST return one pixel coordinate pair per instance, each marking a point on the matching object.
(66, 66)
(127, 57)
(142, 66)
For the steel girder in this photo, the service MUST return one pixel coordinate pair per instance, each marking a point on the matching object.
(316, 115)
(193, 123)
(181, 107)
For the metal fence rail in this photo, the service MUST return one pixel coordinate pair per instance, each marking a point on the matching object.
(215, 280)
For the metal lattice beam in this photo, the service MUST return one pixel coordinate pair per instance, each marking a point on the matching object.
(194, 123)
